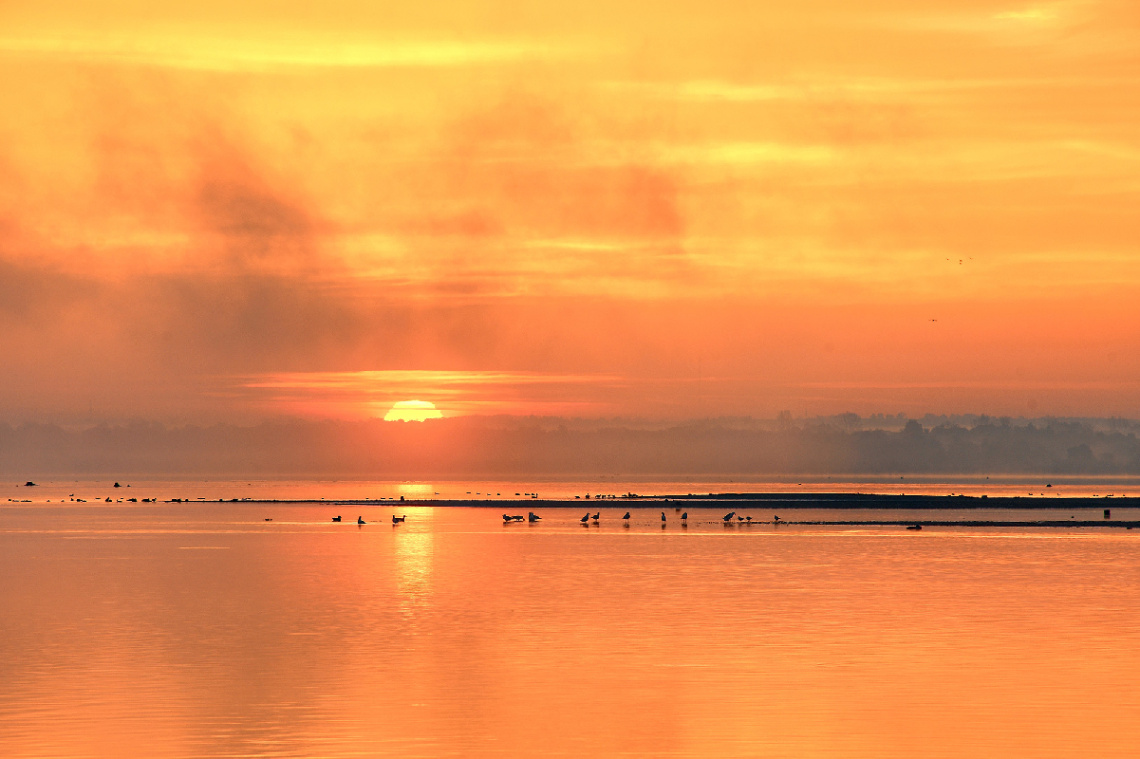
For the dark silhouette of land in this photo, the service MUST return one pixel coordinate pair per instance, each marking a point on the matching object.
(518, 447)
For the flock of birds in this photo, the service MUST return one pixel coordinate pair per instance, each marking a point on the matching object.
(360, 519)
(588, 518)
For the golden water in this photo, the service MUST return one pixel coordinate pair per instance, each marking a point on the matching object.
(185, 630)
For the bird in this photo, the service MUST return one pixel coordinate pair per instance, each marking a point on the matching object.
(397, 520)
(585, 518)
(684, 516)
(626, 515)
(508, 518)
(749, 518)
(776, 518)
(336, 518)
(740, 519)
(728, 517)
(360, 520)
(662, 516)
(532, 517)
(596, 516)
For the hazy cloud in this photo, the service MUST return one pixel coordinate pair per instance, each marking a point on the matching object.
(219, 54)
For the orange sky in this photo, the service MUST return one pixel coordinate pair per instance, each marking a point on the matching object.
(683, 209)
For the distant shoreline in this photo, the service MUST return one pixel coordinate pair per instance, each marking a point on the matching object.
(794, 501)
(1128, 525)
(734, 501)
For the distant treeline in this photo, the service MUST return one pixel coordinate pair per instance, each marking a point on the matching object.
(511, 447)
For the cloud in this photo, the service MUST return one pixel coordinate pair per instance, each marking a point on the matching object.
(256, 225)
(744, 153)
(34, 296)
(371, 393)
(219, 54)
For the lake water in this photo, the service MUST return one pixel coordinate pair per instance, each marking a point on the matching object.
(187, 630)
(1050, 486)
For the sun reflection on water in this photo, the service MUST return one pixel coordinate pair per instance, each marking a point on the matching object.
(414, 554)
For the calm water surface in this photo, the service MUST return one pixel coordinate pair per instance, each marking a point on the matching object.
(200, 629)
(1039, 487)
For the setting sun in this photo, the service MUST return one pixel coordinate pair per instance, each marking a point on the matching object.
(412, 411)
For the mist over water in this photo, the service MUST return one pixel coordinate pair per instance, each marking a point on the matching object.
(827, 449)
(201, 629)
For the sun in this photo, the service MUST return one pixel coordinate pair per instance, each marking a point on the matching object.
(412, 411)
